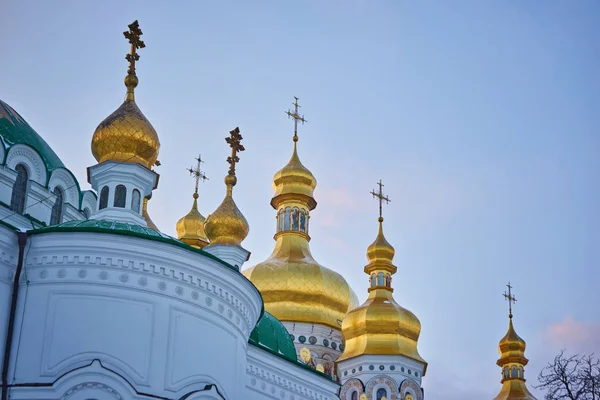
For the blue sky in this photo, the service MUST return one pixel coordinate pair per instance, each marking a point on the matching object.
(481, 117)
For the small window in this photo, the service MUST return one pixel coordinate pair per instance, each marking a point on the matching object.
(302, 221)
(295, 217)
(354, 396)
(505, 372)
(103, 198)
(388, 280)
(135, 201)
(521, 372)
(280, 220)
(381, 393)
(373, 280)
(286, 219)
(120, 196)
(57, 208)
(380, 279)
(514, 372)
(19, 191)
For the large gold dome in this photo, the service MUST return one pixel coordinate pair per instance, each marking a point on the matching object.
(126, 136)
(293, 285)
(297, 288)
(380, 325)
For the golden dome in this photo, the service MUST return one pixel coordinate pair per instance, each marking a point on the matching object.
(190, 228)
(293, 285)
(294, 181)
(511, 346)
(126, 135)
(380, 325)
(227, 224)
(297, 288)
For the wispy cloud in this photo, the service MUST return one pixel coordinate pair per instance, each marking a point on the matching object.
(575, 336)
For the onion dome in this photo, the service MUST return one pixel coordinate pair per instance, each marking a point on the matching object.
(380, 325)
(512, 361)
(15, 130)
(190, 228)
(126, 135)
(271, 335)
(227, 224)
(294, 286)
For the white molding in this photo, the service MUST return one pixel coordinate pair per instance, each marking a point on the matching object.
(26, 155)
(232, 254)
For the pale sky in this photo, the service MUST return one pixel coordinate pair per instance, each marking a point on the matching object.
(481, 118)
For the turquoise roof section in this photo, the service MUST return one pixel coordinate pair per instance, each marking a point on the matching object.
(15, 130)
(271, 334)
(123, 228)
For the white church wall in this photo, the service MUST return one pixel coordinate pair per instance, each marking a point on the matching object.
(271, 377)
(9, 250)
(169, 321)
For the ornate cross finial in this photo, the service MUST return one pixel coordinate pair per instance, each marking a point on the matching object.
(234, 141)
(297, 117)
(510, 298)
(133, 35)
(197, 174)
(381, 198)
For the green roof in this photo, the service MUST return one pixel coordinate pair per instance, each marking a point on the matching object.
(15, 130)
(123, 228)
(271, 334)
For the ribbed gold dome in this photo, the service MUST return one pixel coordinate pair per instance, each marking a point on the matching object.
(190, 228)
(380, 325)
(227, 224)
(294, 181)
(511, 345)
(293, 285)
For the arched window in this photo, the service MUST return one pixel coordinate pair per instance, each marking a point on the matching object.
(280, 220)
(103, 198)
(388, 280)
(295, 217)
(521, 372)
(135, 200)
(373, 280)
(57, 208)
(303, 220)
(505, 372)
(354, 396)
(381, 393)
(514, 372)
(120, 196)
(380, 279)
(19, 191)
(286, 219)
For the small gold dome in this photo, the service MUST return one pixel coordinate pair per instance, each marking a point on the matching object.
(227, 224)
(380, 251)
(126, 136)
(190, 228)
(380, 325)
(294, 181)
(511, 343)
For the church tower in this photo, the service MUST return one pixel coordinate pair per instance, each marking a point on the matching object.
(512, 360)
(126, 147)
(381, 360)
(308, 298)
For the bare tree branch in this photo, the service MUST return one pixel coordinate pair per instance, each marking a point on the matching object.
(571, 378)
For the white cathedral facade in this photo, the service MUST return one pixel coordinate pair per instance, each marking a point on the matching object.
(97, 303)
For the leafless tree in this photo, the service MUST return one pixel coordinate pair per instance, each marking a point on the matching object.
(571, 378)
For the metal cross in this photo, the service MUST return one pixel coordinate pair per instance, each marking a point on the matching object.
(134, 38)
(234, 141)
(510, 298)
(196, 173)
(381, 197)
(297, 117)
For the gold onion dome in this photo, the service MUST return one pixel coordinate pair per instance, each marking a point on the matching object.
(126, 135)
(190, 228)
(294, 286)
(227, 224)
(380, 325)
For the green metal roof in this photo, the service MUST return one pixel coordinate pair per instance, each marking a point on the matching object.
(271, 334)
(15, 130)
(123, 228)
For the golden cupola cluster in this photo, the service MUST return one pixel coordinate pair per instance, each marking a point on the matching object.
(190, 228)
(126, 135)
(381, 326)
(512, 361)
(294, 286)
(227, 224)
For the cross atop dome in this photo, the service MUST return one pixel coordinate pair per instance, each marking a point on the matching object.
(197, 174)
(133, 35)
(510, 298)
(234, 141)
(296, 117)
(381, 197)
